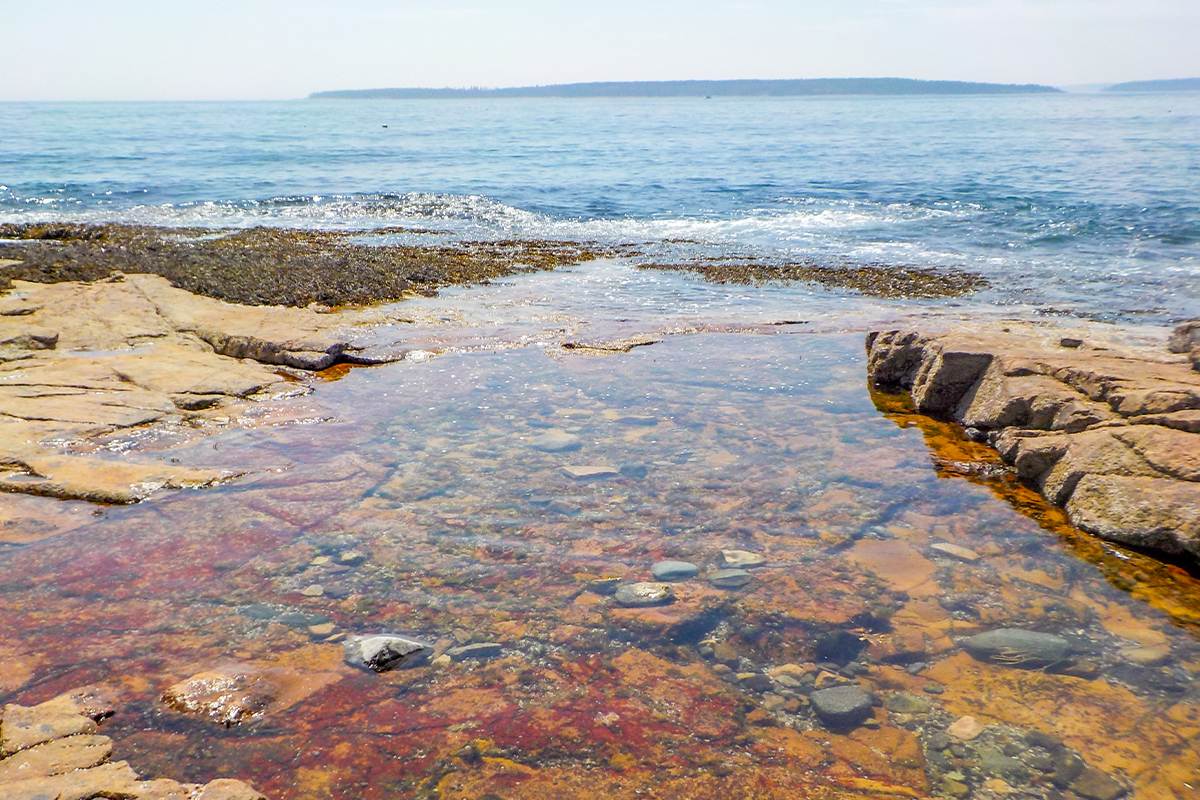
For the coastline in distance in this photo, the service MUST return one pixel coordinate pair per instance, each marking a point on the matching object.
(731, 88)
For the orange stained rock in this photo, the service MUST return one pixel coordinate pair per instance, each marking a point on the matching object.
(1111, 727)
(897, 564)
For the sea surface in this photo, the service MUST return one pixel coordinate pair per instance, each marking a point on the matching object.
(1070, 204)
(442, 497)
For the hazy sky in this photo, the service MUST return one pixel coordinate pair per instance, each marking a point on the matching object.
(264, 49)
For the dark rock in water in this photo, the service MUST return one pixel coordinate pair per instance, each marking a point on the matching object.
(729, 578)
(840, 647)
(259, 611)
(604, 586)
(841, 706)
(1018, 648)
(385, 652)
(1095, 785)
(674, 570)
(635, 471)
(1045, 740)
(480, 650)
(1067, 767)
(556, 442)
(297, 619)
(994, 762)
(904, 703)
(939, 741)
(755, 682)
(641, 595)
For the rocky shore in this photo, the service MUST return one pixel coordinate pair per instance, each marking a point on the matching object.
(1110, 433)
(51, 751)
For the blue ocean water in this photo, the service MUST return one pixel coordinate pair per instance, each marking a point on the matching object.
(1069, 204)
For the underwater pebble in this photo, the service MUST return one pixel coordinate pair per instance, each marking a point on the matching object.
(1017, 647)
(841, 706)
(955, 551)
(384, 652)
(904, 703)
(729, 578)
(480, 650)
(352, 558)
(586, 471)
(555, 442)
(965, 729)
(674, 570)
(740, 559)
(316, 590)
(641, 595)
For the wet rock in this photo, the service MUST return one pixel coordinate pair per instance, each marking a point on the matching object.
(729, 578)
(740, 559)
(754, 681)
(964, 729)
(385, 652)
(1017, 647)
(955, 551)
(352, 558)
(586, 472)
(995, 762)
(1067, 767)
(674, 570)
(939, 741)
(480, 650)
(1148, 656)
(604, 586)
(956, 787)
(635, 471)
(315, 590)
(1096, 785)
(642, 595)
(76, 712)
(841, 706)
(904, 703)
(933, 688)
(225, 697)
(556, 442)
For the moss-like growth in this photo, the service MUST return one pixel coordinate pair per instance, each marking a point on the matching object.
(874, 280)
(271, 266)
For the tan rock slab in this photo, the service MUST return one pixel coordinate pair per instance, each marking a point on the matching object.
(1148, 512)
(589, 471)
(24, 727)
(56, 757)
(896, 563)
(106, 780)
(955, 551)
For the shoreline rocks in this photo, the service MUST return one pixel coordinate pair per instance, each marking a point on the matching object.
(1111, 435)
(52, 750)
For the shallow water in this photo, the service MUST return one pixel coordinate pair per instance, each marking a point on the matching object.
(755, 441)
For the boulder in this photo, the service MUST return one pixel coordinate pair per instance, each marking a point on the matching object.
(385, 652)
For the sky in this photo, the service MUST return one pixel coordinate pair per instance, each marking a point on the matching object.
(283, 49)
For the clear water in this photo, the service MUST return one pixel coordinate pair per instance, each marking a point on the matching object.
(1069, 203)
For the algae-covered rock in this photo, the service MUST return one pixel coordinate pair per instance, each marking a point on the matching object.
(1018, 648)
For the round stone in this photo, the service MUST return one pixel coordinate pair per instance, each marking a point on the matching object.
(641, 595)
(841, 706)
(729, 578)
(674, 570)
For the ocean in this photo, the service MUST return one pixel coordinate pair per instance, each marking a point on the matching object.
(1070, 205)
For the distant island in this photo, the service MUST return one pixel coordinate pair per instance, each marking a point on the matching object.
(1176, 85)
(738, 88)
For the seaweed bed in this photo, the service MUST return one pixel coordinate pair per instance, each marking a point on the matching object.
(271, 266)
(873, 280)
(290, 267)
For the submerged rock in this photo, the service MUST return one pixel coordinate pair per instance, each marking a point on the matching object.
(555, 442)
(674, 570)
(479, 650)
(841, 706)
(641, 595)
(740, 559)
(1018, 648)
(385, 652)
(729, 578)
(224, 697)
